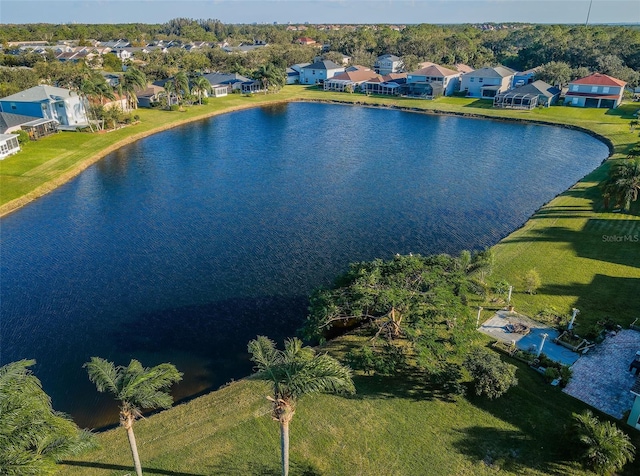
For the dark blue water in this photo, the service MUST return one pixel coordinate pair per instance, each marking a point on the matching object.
(187, 244)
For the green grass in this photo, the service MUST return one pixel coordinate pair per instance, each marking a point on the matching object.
(394, 426)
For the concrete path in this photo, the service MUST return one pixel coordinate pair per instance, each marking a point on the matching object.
(601, 378)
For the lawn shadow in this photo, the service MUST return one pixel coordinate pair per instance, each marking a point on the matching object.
(130, 469)
(507, 450)
(481, 104)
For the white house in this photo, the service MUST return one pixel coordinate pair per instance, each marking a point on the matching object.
(48, 102)
(319, 72)
(9, 145)
(596, 90)
(387, 64)
(439, 80)
(293, 73)
(487, 82)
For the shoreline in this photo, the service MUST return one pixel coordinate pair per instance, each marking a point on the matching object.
(77, 169)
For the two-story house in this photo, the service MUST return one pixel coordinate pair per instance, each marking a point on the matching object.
(48, 102)
(487, 82)
(319, 72)
(433, 81)
(596, 90)
(387, 64)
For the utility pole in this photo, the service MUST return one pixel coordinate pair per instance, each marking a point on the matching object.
(588, 13)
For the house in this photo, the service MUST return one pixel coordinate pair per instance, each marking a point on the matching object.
(150, 95)
(525, 77)
(233, 81)
(48, 102)
(293, 73)
(432, 81)
(12, 122)
(596, 90)
(634, 416)
(9, 145)
(463, 68)
(387, 85)
(349, 80)
(386, 64)
(487, 82)
(528, 96)
(305, 40)
(319, 72)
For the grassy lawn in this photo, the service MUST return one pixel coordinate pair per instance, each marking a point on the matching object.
(394, 426)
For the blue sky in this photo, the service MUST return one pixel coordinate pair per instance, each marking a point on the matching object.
(320, 11)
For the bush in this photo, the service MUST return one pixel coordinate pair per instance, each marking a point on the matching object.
(23, 137)
(369, 360)
(551, 373)
(174, 107)
(531, 281)
(605, 448)
(136, 117)
(492, 377)
(205, 100)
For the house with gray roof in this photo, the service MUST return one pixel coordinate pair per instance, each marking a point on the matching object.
(387, 64)
(48, 102)
(432, 81)
(319, 72)
(12, 122)
(487, 82)
(233, 81)
(293, 73)
(528, 96)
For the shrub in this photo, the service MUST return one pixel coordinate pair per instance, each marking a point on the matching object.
(205, 100)
(369, 360)
(492, 377)
(174, 107)
(605, 448)
(551, 373)
(23, 137)
(136, 117)
(565, 373)
(531, 281)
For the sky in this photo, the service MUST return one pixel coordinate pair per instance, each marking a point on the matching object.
(321, 11)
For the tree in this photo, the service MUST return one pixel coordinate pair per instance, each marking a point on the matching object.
(294, 372)
(492, 377)
(556, 73)
(531, 281)
(169, 89)
(200, 86)
(137, 388)
(270, 76)
(605, 448)
(132, 81)
(33, 436)
(182, 85)
(623, 183)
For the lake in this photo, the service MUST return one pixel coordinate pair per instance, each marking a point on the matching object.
(185, 245)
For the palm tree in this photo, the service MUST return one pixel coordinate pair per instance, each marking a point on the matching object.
(200, 86)
(132, 81)
(182, 85)
(606, 447)
(137, 388)
(97, 88)
(269, 75)
(623, 184)
(169, 89)
(294, 372)
(33, 437)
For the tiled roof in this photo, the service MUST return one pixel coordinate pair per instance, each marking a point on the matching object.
(537, 87)
(435, 70)
(599, 79)
(356, 76)
(463, 68)
(495, 72)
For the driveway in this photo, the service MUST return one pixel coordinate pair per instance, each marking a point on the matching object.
(601, 378)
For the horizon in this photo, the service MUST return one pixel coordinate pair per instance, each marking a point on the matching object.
(315, 12)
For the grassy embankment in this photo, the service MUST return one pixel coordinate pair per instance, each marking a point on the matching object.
(394, 426)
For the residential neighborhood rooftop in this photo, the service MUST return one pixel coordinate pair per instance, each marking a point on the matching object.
(39, 93)
(599, 79)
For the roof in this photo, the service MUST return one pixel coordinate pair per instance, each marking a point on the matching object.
(388, 57)
(324, 64)
(538, 88)
(435, 70)
(357, 76)
(599, 79)
(225, 78)
(150, 90)
(39, 94)
(463, 68)
(8, 120)
(7, 136)
(495, 72)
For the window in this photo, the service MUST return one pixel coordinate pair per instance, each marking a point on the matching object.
(574, 101)
(574, 87)
(605, 89)
(480, 80)
(13, 105)
(594, 89)
(472, 79)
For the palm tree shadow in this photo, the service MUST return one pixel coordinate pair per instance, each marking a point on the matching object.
(119, 467)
